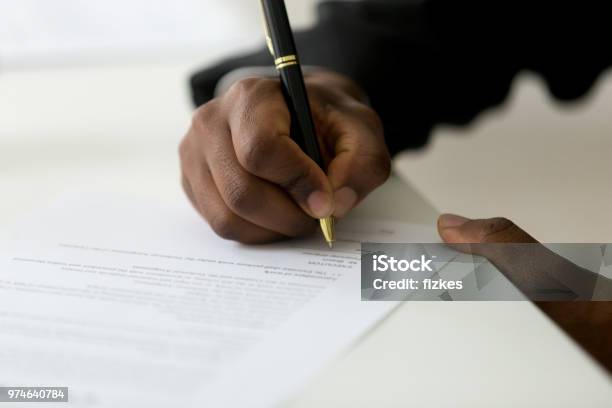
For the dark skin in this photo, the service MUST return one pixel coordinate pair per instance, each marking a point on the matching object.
(253, 184)
(588, 323)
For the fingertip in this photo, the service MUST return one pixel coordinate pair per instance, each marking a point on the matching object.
(451, 235)
(457, 229)
(450, 228)
(320, 204)
(451, 221)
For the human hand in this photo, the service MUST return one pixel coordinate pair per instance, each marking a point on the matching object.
(538, 272)
(253, 184)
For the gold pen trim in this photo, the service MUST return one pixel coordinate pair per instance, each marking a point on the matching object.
(286, 64)
(286, 58)
(285, 61)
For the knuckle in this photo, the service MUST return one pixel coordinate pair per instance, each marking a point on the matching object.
(224, 225)
(255, 151)
(367, 112)
(241, 197)
(495, 225)
(298, 182)
(246, 90)
(205, 115)
(242, 87)
(369, 116)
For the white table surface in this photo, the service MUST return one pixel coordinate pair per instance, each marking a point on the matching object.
(116, 128)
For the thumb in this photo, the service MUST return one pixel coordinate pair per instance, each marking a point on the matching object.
(455, 229)
(533, 268)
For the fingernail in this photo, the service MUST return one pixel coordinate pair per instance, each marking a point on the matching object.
(320, 204)
(451, 221)
(345, 199)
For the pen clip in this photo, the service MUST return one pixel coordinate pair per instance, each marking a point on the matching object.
(266, 29)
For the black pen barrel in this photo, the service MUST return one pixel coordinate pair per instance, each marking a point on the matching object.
(282, 45)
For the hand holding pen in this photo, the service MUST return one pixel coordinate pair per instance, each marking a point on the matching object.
(254, 184)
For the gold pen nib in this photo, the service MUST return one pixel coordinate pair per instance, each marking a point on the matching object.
(327, 226)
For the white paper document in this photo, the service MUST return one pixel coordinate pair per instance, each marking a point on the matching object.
(137, 303)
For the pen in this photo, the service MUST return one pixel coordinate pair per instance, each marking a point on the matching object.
(279, 39)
